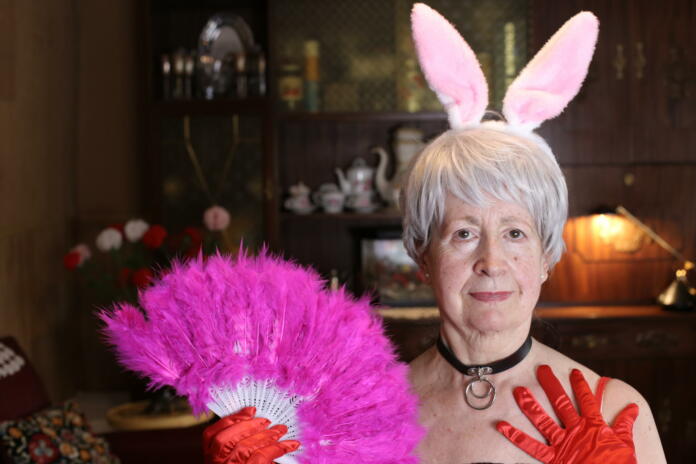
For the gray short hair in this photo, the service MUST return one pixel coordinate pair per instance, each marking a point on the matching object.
(484, 161)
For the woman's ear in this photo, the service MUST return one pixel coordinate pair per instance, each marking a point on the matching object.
(424, 265)
(426, 271)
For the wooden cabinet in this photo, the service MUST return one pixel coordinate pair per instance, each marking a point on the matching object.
(201, 152)
(627, 138)
(594, 127)
(633, 119)
(638, 104)
(662, 41)
(651, 349)
(370, 86)
(310, 147)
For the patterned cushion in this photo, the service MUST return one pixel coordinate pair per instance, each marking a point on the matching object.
(55, 435)
(19, 381)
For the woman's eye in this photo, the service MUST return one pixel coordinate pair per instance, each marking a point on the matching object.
(516, 233)
(463, 234)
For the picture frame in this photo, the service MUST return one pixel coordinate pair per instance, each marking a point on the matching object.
(387, 272)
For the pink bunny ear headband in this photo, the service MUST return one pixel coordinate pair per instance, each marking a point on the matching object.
(541, 91)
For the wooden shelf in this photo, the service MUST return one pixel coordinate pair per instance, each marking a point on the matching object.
(264, 104)
(363, 115)
(251, 105)
(382, 218)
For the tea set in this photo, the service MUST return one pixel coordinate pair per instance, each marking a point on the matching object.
(361, 188)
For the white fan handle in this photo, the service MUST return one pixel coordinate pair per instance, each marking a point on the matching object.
(287, 459)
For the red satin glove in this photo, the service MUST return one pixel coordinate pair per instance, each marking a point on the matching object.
(586, 438)
(242, 438)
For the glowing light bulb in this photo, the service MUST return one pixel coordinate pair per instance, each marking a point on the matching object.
(606, 226)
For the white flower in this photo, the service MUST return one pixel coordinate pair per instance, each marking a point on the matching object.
(84, 252)
(216, 218)
(135, 229)
(109, 239)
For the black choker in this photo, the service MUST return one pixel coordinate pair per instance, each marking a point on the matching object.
(479, 371)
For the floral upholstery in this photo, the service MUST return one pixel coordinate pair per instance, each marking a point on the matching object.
(55, 435)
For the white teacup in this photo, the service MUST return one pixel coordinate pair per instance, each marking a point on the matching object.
(299, 204)
(330, 198)
(332, 202)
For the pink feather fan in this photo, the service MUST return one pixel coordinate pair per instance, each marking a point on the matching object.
(260, 331)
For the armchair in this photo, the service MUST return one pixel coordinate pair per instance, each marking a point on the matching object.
(22, 393)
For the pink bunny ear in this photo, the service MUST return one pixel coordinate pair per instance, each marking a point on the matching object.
(450, 66)
(554, 76)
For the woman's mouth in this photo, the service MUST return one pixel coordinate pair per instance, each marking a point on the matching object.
(491, 296)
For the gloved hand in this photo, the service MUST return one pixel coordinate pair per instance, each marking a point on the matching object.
(586, 438)
(241, 438)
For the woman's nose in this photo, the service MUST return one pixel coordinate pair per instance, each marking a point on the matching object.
(490, 261)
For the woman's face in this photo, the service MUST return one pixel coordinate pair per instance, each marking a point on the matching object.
(486, 265)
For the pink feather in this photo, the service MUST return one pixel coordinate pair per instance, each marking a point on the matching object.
(215, 321)
(450, 66)
(554, 76)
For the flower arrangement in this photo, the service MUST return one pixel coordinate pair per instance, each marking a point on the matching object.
(131, 254)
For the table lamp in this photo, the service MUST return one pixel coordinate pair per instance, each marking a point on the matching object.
(679, 295)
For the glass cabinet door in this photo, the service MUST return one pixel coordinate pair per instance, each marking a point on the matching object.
(366, 59)
(220, 164)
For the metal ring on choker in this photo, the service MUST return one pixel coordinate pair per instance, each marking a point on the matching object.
(479, 372)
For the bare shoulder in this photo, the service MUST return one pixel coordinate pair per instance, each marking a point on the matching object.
(618, 395)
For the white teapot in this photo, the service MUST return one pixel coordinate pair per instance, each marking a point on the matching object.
(357, 185)
(408, 142)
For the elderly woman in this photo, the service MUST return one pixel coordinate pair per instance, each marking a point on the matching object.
(483, 216)
(484, 209)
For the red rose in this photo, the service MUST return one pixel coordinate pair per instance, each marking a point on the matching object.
(71, 260)
(124, 276)
(194, 234)
(154, 237)
(142, 277)
(195, 241)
